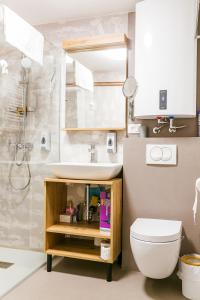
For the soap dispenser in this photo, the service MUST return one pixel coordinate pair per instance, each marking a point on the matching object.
(111, 142)
(45, 141)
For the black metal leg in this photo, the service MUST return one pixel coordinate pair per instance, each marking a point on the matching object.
(49, 262)
(109, 272)
(119, 260)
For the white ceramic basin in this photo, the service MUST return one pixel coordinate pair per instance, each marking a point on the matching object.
(93, 171)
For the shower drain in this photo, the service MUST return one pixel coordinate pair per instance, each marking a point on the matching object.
(5, 265)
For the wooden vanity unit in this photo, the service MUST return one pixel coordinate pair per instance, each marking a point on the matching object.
(77, 240)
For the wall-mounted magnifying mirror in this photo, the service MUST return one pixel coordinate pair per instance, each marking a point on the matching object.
(129, 90)
(129, 87)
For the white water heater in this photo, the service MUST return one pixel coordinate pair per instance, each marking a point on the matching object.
(166, 58)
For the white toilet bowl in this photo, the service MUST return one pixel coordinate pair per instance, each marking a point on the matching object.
(155, 246)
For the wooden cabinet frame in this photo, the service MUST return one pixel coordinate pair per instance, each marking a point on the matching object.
(55, 233)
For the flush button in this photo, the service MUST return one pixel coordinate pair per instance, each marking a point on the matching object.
(156, 153)
(167, 154)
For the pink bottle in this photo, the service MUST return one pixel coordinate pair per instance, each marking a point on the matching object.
(104, 212)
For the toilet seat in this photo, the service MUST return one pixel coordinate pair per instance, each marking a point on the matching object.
(155, 230)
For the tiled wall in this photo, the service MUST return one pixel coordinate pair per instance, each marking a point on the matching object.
(21, 212)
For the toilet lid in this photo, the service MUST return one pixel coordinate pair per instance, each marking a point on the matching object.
(155, 230)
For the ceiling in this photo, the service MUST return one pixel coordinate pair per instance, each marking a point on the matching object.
(49, 11)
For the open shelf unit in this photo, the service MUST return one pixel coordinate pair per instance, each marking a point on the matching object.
(76, 240)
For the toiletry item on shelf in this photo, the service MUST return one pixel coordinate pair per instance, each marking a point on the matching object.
(79, 212)
(104, 211)
(74, 219)
(84, 212)
(70, 210)
(105, 250)
(91, 211)
(97, 242)
(94, 200)
(65, 218)
(90, 216)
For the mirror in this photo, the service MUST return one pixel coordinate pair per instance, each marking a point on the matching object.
(129, 87)
(94, 96)
(129, 91)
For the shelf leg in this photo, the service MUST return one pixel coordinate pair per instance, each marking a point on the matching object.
(109, 273)
(49, 262)
(119, 260)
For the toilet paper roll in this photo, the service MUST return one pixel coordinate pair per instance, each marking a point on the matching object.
(105, 251)
(195, 206)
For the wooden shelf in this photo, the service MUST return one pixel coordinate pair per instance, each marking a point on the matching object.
(96, 43)
(82, 181)
(81, 229)
(96, 83)
(95, 129)
(75, 248)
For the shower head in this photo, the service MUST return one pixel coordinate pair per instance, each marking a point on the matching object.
(26, 63)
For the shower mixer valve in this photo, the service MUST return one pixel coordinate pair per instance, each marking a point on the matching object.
(20, 110)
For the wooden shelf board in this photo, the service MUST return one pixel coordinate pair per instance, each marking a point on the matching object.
(96, 43)
(75, 248)
(80, 229)
(83, 181)
(94, 129)
(96, 83)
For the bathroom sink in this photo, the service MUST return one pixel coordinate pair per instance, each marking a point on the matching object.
(93, 171)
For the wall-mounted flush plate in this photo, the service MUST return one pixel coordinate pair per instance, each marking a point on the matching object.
(161, 154)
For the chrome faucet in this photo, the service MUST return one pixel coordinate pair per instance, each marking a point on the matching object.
(92, 151)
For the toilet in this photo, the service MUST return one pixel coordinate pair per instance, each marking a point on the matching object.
(156, 246)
